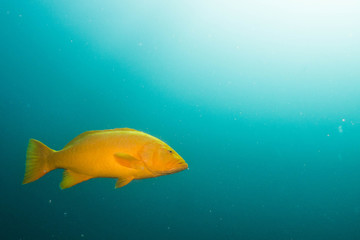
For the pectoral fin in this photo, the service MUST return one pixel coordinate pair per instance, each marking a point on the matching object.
(123, 181)
(129, 161)
(71, 178)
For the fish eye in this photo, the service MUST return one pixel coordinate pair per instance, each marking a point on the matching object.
(170, 151)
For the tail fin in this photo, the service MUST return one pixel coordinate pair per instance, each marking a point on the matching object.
(36, 161)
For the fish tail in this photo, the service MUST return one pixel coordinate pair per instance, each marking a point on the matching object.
(37, 164)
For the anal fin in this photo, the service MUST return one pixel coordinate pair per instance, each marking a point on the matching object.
(71, 178)
(123, 181)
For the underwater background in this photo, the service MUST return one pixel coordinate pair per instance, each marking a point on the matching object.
(261, 98)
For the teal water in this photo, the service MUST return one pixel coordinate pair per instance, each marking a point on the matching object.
(261, 98)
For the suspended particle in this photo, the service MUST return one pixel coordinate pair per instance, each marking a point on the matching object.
(341, 129)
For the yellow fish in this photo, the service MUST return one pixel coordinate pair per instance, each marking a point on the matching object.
(122, 153)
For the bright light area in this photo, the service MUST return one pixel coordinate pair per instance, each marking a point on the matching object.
(273, 54)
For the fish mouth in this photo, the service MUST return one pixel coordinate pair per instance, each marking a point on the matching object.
(178, 167)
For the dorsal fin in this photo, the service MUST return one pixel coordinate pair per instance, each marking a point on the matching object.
(80, 136)
(84, 134)
(125, 129)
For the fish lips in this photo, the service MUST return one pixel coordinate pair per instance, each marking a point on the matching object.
(178, 168)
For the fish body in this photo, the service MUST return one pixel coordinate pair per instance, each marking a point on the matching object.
(124, 153)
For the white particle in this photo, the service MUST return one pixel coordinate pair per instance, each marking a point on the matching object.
(82, 235)
(343, 120)
(341, 129)
(50, 201)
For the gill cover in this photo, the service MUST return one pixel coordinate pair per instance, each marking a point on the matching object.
(148, 155)
(160, 159)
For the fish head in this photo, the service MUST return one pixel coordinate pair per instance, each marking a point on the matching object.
(164, 160)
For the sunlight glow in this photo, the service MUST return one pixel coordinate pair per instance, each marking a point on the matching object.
(278, 52)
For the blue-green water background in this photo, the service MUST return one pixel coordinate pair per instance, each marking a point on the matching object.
(261, 98)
